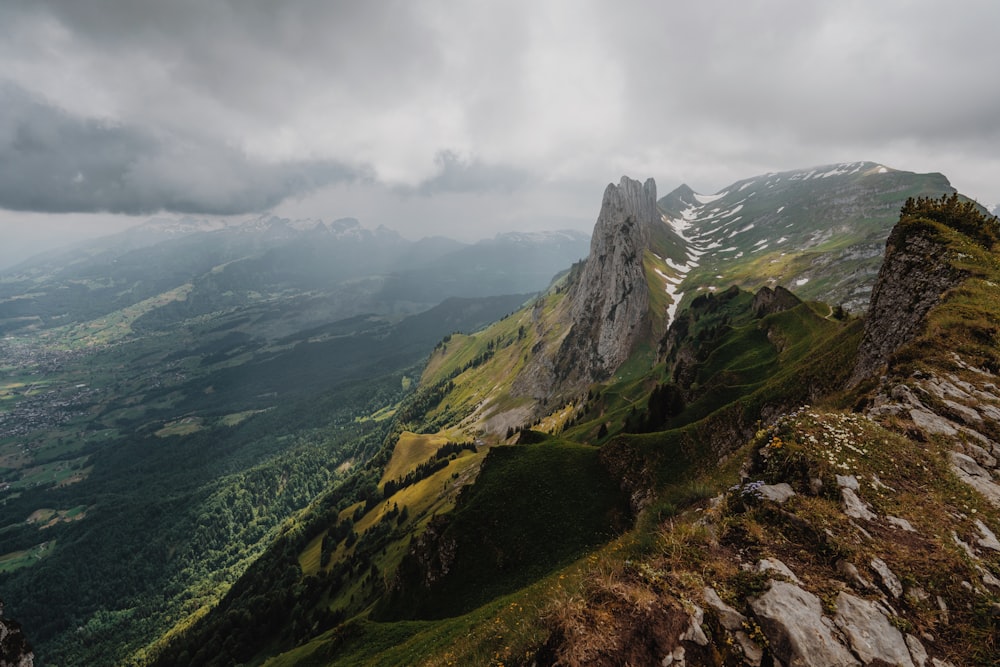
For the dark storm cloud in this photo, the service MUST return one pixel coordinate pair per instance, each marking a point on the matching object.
(226, 105)
(255, 58)
(55, 162)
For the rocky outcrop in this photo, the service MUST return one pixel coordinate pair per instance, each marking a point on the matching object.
(965, 412)
(892, 562)
(871, 636)
(429, 560)
(915, 274)
(798, 633)
(15, 651)
(767, 301)
(606, 311)
(609, 302)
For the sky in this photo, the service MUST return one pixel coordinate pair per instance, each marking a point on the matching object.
(467, 118)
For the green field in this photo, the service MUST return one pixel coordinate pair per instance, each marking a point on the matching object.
(22, 559)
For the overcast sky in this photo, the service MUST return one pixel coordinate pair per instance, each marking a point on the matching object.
(464, 117)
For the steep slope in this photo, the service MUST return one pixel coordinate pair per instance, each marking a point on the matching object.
(135, 499)
(850, 539)
(15, 651)
(609, 309)
(609, 302)
(698, 493)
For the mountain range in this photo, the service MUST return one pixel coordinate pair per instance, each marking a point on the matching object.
(320, 271)
(754, 427)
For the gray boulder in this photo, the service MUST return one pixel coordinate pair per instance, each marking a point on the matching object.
(870, 633)
(798, 634)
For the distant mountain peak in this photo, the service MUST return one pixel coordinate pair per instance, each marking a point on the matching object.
(180, 226)
(836, 215)
(538, 237)
(345, 223)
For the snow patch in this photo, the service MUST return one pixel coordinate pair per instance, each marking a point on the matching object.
(838, 170)
(740, 231)
(690, 213)
(801, 281)
(672, 308)
(708, 199)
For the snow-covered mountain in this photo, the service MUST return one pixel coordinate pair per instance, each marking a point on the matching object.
(819, 232)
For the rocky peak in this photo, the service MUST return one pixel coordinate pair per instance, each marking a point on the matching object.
(610, 300)
(768, 301)
(679, 199)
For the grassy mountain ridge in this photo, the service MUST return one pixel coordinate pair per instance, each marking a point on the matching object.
(722, 391)
(493, 563)
(175, 455)
(486, 519)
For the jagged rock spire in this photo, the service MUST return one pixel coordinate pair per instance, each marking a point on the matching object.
(610, 301)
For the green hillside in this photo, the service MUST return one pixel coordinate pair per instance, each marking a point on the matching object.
(588, 536)
(178, 456)
(442, 489)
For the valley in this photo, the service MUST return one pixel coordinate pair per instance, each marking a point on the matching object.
(149, 454)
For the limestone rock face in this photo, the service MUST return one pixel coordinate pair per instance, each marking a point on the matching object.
(912, 279)
(796, 629)
(870, 633)
(610, 300)
(14, 648)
